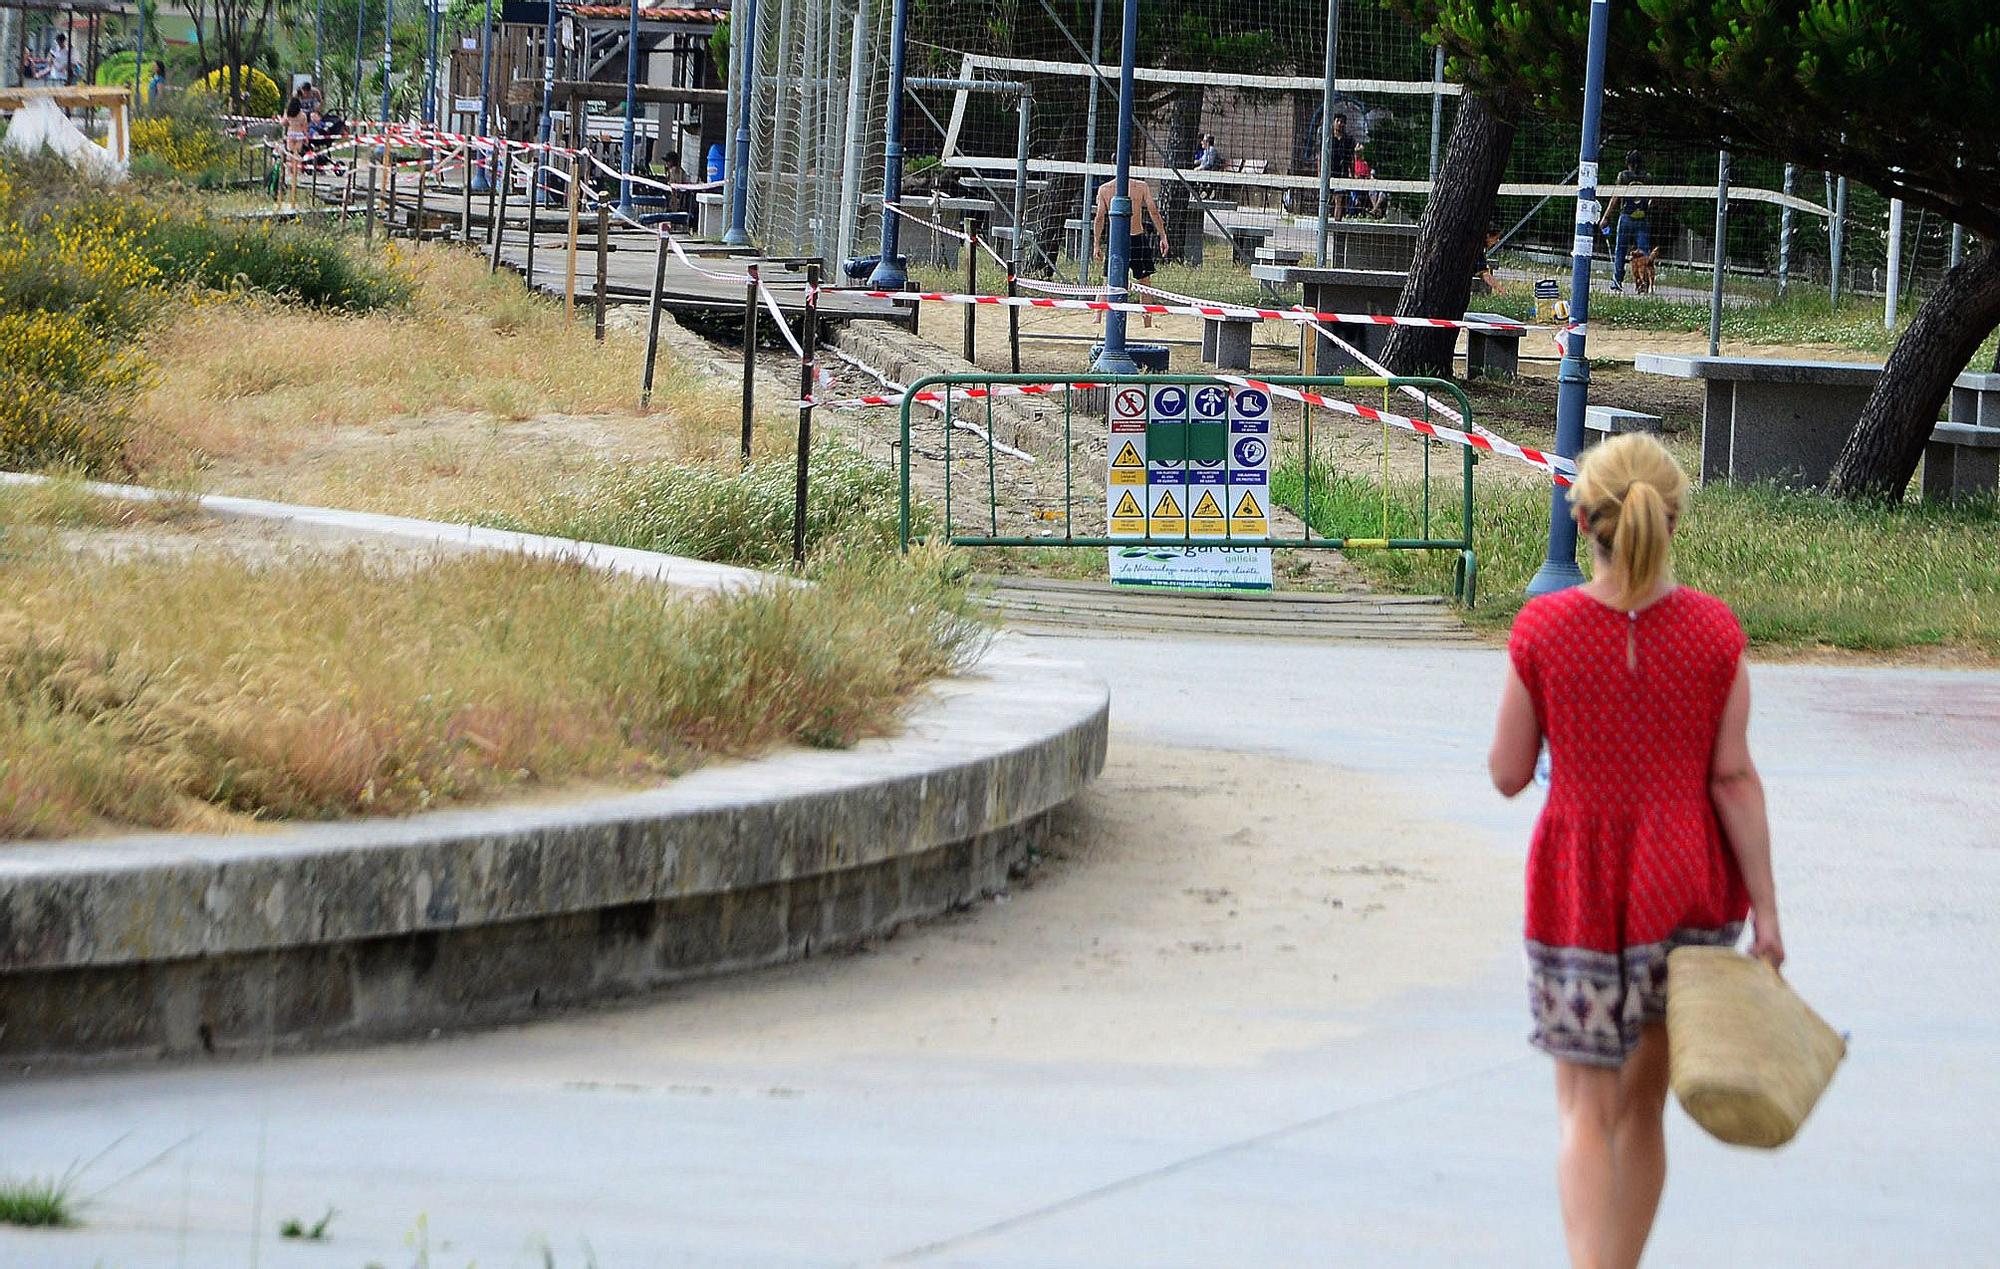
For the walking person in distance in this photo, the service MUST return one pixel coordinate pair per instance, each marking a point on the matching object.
(1654, 834)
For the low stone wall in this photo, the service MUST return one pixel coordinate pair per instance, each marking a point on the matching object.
(171, 944)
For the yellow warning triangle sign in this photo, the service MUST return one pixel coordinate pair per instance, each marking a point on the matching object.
(1247, 508)
(1128, 457)
(1167, 506)
(1127, 506)
(1206, 507)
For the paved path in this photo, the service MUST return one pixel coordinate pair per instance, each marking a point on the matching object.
(1264, 1009)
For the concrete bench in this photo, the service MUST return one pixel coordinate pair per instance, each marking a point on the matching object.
(1602, 422)
(709, 216)
(1339, 291)
(1225, 342)
(1961, 460)
(1772, 420)
(1975, 399)
(1244, 240)
(1492, 352)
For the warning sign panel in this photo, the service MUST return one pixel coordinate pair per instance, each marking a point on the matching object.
(1171, 460)
(1128, 518)
(1207, 519)
(1251, 517)
(1167, 517)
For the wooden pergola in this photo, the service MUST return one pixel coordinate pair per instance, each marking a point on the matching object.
(109, 97)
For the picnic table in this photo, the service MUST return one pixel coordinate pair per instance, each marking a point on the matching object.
(1772, 419)
(1370, 244)
(1339, 291)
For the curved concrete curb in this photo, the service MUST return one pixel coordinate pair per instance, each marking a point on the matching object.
(164, 944)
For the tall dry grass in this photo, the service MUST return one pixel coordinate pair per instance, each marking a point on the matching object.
(257, 377)
(178, 693)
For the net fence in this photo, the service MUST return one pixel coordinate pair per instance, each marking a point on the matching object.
(1229, 135)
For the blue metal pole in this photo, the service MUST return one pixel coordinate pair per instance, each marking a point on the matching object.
(889, 274)
(319, 42)
(388, 62)
(431, 24)
(626, 155)
(1114, 360)
(548, 94)
(743, 47)
(482, 177)
(1559, 570)
(355, 100)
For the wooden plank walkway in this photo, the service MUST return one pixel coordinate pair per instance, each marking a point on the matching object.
(629, 264)
(1060, 605)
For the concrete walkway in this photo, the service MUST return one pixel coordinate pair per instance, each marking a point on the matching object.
(1264, 1009)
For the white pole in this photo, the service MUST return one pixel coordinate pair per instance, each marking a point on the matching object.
(1437, 109)
(1895, 263)
(850, 165)
(1785, 234)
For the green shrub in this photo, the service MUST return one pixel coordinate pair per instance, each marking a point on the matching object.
(182, 142)
(291, 261)
(742, 517)
(261, 95)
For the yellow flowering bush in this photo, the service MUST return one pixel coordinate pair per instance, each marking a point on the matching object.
(261, 97)
(64, 390)
(180, 146)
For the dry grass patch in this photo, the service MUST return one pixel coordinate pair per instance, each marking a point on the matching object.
(257, 377)
(193, 693)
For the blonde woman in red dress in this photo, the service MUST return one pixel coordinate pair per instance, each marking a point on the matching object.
(1653, 837)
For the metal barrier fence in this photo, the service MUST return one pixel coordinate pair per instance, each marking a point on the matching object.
(1409, 519)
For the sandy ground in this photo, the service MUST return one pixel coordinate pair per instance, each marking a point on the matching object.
(1159, 885)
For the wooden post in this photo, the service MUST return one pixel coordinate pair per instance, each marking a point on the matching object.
(653, 322)
(492, 195)
(389, 201)
(423, 179)
(603, 264)
(569, 271)
(1014, 316)
(500, 210)
(465, 191)
(971, 288)
(368, 222)
(808, 385)
(347, 191)
(749, 357)
(534, 210)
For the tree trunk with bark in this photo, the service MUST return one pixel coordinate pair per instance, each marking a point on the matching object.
(1183, 217)
(1882, 452)
(1451, 233)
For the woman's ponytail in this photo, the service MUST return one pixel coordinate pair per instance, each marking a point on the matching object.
(1639, 543)
(1631, 493)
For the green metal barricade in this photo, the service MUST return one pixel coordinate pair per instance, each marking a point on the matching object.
(1190, 442)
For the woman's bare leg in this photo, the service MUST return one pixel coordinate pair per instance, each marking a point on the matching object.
(1639, 1145)
(1587, 1104)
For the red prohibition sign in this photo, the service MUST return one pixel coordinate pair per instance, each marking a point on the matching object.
(1131, 401)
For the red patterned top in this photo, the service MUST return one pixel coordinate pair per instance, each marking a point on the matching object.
(1628, 849)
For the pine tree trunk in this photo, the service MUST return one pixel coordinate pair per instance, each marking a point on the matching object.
(1883, 451)
(1183, 133)
(1451, 233)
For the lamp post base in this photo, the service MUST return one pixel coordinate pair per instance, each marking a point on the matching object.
(1554, 575)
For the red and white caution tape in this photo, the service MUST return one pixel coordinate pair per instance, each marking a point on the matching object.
(1197, 310)
(1558, 467)
(899, 389)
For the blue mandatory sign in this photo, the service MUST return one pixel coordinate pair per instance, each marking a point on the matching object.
(1250, 452)
(1170, 401)
(1252, 402)
(1212, 402)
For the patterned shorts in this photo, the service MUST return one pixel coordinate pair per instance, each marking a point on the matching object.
(1589, 1006)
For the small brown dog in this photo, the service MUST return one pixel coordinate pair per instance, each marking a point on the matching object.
(1640, 265)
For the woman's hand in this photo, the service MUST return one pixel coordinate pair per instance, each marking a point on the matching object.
(1766, 943)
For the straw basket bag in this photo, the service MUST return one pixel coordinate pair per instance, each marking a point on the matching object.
(1749, 1058)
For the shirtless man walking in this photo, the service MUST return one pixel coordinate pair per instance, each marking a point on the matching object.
(1142, 259)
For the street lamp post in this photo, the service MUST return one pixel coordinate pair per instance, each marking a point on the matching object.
(626, 153)
(1114, 359)
(889, 274)
(1559, 570)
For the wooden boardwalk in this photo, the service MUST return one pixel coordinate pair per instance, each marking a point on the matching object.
(629, 259)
